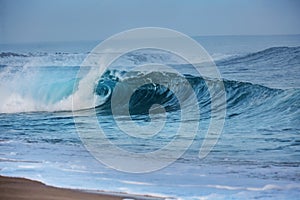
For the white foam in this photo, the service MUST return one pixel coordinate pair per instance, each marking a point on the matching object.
(25, 90)
(28, 166)
(264, 188)
(136, 183)
(14, 103)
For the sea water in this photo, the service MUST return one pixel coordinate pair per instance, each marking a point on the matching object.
(256, 156)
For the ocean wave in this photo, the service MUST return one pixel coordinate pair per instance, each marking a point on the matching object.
(52, 88)
(244, 99)
(11, 54)
(280, 55)
(40, 59)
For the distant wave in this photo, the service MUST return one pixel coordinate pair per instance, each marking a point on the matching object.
(11, 54)
(135, 58)
(282, 55)
(75, 59)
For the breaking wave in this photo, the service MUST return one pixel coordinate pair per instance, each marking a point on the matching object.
(35, 89)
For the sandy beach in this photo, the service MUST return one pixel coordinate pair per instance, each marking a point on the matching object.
(24, 189)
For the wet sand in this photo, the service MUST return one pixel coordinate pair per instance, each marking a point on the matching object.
(24, 189)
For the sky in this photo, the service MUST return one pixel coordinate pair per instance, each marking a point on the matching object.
(26, 21)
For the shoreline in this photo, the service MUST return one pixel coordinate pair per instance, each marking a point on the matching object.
(12, 188)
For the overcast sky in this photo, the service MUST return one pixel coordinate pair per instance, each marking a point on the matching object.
(69, 20)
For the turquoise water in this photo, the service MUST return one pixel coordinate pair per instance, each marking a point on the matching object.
(257, 155)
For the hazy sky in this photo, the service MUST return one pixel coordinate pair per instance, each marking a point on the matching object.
(67, 20)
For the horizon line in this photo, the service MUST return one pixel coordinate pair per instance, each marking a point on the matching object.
(99, 40)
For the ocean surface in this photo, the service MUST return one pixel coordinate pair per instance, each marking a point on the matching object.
(256, 157)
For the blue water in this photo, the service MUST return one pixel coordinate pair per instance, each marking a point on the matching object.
(256, 157)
